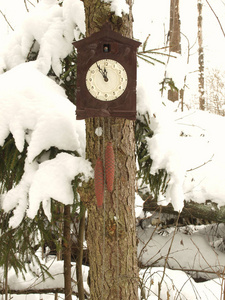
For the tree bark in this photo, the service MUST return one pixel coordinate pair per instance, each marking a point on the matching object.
(67, 253)
(111, 233)
(201, 87)
(174, 41)
(111, 230)
(79, 258)
(175, 45)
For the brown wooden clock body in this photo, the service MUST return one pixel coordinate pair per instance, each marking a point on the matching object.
(120, 49)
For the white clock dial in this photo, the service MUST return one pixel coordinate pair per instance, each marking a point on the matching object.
(106, 80)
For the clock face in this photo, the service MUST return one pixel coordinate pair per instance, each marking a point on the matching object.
(106, 80)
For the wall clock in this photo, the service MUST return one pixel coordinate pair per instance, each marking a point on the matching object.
(106, 75)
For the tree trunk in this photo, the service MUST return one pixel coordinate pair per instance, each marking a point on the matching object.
(111, 233)
(111, 230)
(201, 87)
(174, 42)
(67, 254)
(175, 45)
(79, 258)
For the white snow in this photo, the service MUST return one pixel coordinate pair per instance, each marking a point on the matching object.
(33, 282)
(188, 251)
(37, 111)
(118, 6)
(53, 28)
(34, 108)
(177, 68)
(17, 197)
(53, 180)
(177, 285)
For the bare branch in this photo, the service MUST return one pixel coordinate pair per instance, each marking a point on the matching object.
(206, 162)
(216, 17)
(167, 256)
(25, 3)
(31, 2)
(4, 16)
(40, 291)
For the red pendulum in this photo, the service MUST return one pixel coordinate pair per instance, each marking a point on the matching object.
(99, 182)
(109, 166)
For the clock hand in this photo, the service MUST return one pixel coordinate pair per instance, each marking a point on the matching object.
(104, 73)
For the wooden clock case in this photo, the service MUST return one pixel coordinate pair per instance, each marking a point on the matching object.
(106, 44)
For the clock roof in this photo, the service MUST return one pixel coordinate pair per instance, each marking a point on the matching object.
(106, 34)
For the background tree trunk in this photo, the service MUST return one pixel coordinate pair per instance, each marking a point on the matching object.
(67, 253)
(79, 258)
(175, 45)
(174, 41)
(201, 86)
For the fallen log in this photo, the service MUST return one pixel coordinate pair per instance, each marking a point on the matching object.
(208, 212)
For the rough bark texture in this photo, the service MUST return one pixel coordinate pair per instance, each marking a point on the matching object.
(174, 40)
(175, 45)
(79, 258)
(67, 253)
(201, 88)
(111, 230)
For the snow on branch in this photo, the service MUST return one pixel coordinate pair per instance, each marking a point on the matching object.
(52, 179)
(36, 110)
(53, 27)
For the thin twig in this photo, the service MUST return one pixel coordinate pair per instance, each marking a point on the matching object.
(210, 267)
(25, 3)
(32, 3)
(216, 17)
(167, 257)
(4, 16)
(155, 49)
(206, 162)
